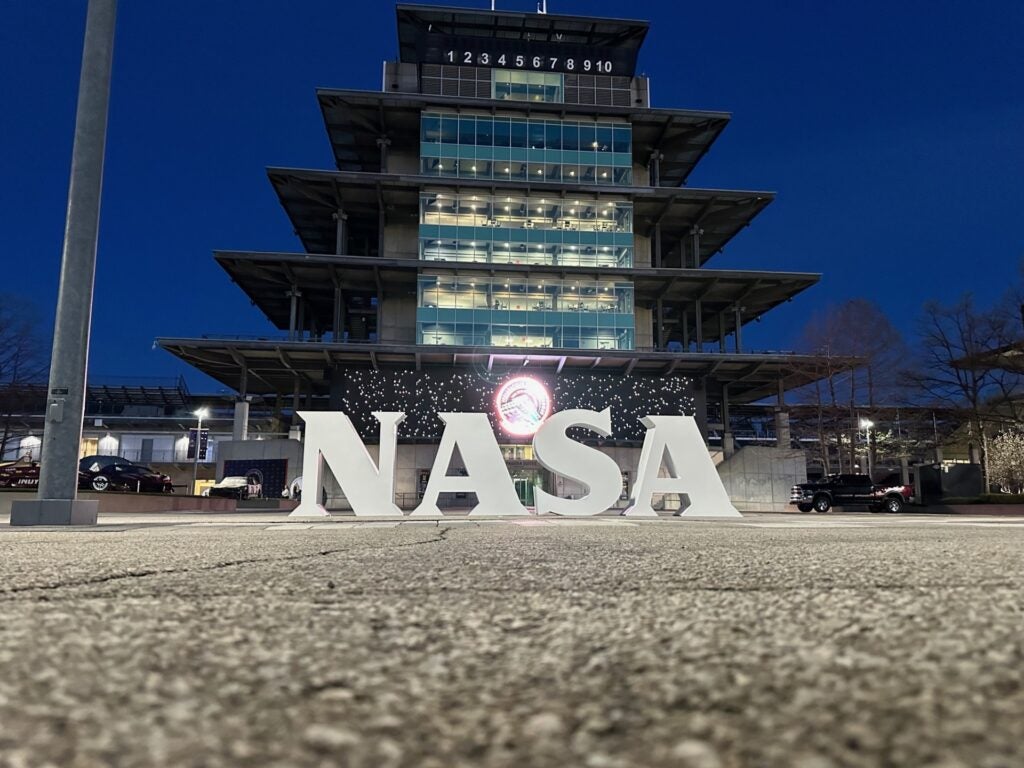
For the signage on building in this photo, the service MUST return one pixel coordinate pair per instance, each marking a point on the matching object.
(672, 443)
(522, 405)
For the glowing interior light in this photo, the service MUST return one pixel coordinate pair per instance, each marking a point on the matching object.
(522, 405)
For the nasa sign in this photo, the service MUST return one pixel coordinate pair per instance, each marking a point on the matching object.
(671, 442)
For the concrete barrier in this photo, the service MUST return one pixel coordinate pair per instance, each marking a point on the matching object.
(154, 502)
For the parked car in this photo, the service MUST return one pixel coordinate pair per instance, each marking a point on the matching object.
(235, 487)
(112, 473)
(23, 473)
(95, 473)
(843, 490)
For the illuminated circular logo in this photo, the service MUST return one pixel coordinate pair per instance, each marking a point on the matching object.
(522, 404)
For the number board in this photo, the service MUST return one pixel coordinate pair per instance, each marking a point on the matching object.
(525, 55)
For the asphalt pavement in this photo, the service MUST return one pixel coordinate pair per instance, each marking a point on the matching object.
(803, 641)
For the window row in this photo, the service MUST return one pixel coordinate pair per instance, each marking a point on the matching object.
(511, 252)
(512, 85)
(521, 155)
(521, 85)
(516, 212)
(525, 133)
(522, 295)
(522, 336)
(505, 171)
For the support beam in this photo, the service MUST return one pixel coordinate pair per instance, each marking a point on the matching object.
(738, 338)
(659, 324)
(384, 143)
(657, 244)
(695, 233)
(338, 315)
(698, 325)
(293, 312)
(341, 232)
(721, 332)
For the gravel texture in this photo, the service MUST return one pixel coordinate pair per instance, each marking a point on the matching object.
(457, 644)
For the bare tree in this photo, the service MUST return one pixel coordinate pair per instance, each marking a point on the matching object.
(955, 342)
(855, 329)
(23, 357)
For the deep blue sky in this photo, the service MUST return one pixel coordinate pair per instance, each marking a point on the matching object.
(893, 133)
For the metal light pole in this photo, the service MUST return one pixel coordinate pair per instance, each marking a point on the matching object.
(56, 502)
(201, 414)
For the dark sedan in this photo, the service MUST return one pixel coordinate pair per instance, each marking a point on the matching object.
(110, 473)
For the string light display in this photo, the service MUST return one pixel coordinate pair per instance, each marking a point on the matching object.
(421, 395)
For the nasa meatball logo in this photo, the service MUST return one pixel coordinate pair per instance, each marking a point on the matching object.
(522, 404)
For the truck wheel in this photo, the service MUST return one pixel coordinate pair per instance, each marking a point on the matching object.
(804, 507)
(893, 504)
(822, 503)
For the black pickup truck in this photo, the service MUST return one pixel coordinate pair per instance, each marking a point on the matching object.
(842, 490)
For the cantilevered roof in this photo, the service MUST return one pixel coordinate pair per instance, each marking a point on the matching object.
(273, 365)
(421, 26)
(312, 199)
(355, 120)
(267, 279)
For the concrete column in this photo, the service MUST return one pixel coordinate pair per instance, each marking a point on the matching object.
(783, 436)
(685, 320)
(240, 425)
(657, 244)
(721, 332)
(301, 327)
(655, 168)
(728, 445)
(695, 233)
(738, 339)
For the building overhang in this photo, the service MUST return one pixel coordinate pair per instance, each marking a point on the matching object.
(356, 120)
(421, 26)
(313, 198)
(275, 366)
(268, 278)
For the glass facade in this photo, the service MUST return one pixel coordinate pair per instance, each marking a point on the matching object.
(518, 85)
(519, 312)
(528, 86)
(492, 147)
(514, 229)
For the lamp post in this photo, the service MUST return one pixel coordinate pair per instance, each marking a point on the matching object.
(200, 414)
(57, 501)
(866, 425)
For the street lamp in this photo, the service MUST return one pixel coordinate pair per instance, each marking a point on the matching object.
(200, 414)
(866, 425)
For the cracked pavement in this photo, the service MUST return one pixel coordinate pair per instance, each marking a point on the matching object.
(457, 643)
